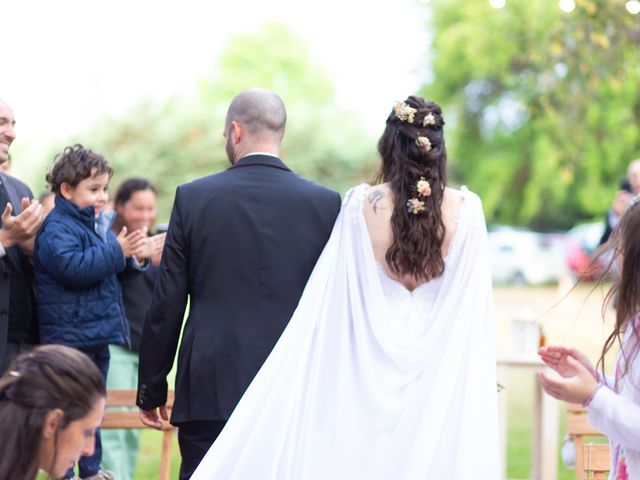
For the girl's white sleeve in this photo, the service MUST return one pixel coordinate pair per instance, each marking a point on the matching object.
(615, 416)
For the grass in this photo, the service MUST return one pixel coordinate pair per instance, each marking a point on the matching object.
(576, 320)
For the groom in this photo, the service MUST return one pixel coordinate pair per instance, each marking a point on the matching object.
(240, 247)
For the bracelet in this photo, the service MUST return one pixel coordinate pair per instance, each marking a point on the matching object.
(593, 394)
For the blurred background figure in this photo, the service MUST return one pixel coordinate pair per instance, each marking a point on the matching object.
(135, 207)
(629, 186)
(48, 201)
(51, 402)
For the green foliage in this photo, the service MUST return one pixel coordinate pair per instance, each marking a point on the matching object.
(178, 140)
(544, 105)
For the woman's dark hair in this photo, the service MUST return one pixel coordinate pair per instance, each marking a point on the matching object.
(129, 187)
(625, 292)
(75, 164)
(50, 377)
(406, 158)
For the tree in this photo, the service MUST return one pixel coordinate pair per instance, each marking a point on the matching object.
(544, 105)
(180, 139)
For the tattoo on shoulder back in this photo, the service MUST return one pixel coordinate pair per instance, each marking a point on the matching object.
(374, 197)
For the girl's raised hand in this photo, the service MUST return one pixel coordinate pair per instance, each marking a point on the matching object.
(555, 357)
(578, 387)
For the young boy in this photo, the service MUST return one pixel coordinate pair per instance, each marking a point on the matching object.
(77, 257)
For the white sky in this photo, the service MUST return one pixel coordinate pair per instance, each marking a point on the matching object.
(67, 62)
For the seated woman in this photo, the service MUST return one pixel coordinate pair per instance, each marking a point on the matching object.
(51, 402)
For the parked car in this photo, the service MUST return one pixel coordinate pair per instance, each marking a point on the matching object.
(582, 242)
(524, 257)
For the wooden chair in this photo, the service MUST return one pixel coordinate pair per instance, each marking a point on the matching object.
(592, 459)
(596, 460)
(131, 419)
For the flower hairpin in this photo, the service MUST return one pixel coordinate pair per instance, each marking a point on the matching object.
(415, 206)
(404, 112)
(424, 187)
(424, 142)
(429, 119)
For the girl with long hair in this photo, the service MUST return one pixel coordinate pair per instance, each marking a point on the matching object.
(613, 403)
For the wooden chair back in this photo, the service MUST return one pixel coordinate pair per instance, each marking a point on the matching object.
(131, 419)
(596, 460)
(592, 459)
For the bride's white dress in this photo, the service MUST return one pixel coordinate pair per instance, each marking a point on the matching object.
(371, 381)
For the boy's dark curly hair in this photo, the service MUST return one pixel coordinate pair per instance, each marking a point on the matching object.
(75, 164)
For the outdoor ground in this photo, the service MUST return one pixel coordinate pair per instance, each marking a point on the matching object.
(575, 320)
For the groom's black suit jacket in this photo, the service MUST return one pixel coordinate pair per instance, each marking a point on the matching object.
(241, 245)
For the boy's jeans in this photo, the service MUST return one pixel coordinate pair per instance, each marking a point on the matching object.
(89, 466)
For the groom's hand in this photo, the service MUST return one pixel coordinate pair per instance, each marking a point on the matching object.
(153, 418)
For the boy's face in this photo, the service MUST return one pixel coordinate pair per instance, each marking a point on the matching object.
(90, 191)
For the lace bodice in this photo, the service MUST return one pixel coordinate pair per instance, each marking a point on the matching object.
(411, 310)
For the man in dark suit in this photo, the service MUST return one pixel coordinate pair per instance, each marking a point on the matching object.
(21, 219)
(240, 247)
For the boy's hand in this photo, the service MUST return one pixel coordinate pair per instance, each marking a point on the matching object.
(23, 226)
(150, 248)
(131, 242)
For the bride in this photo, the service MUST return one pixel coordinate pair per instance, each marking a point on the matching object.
(387, 367)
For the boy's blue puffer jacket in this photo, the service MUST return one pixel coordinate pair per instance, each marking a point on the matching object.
(78, 294)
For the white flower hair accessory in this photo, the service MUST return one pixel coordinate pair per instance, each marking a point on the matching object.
(429, 119)
(404, 112)
(424, 142)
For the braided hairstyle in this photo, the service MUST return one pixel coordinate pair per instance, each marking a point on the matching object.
(50, 377)
(412, 148)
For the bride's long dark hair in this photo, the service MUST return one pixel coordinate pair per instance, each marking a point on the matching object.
(406, 158)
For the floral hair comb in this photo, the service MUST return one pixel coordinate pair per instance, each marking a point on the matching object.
(415, 205)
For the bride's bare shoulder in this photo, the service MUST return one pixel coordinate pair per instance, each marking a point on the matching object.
(453, 195)
(378, 198)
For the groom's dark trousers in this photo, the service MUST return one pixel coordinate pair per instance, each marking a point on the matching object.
(240, 247)
(194, 439)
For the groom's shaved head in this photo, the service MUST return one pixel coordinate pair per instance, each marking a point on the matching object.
(261, 111)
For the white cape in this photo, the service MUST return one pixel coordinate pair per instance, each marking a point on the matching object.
(343, 396)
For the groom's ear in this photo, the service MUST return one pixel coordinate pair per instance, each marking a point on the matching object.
(237, 132)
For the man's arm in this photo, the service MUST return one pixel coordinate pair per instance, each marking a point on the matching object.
(164, 319)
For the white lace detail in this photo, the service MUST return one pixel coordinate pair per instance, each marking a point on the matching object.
(411, 309)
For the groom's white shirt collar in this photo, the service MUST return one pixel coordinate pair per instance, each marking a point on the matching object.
(260, 153)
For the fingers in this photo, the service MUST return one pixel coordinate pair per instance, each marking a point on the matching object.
(6, 215)
(137, 236)
(578, 366)
(123, 233)
(24, 203)
(24, 225)
(158, 243)
(548, 385)
(151, 419)
(163, 413)
(30, 219)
